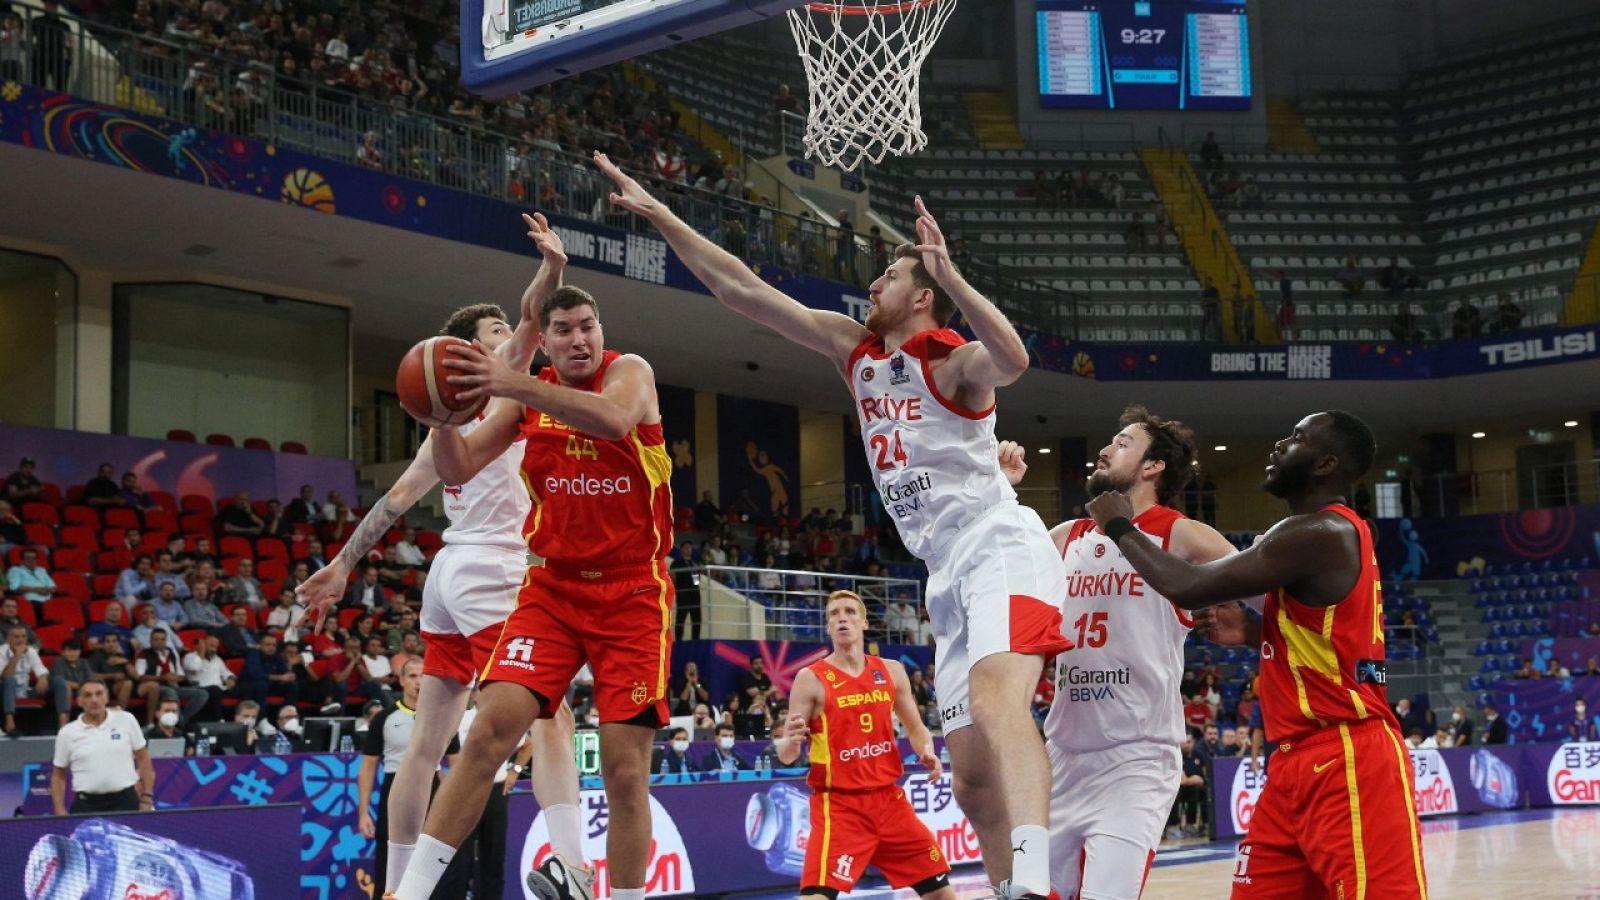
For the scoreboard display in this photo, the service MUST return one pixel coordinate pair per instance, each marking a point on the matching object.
(1143, 54)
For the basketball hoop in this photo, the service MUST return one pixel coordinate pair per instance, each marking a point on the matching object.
(863, 61)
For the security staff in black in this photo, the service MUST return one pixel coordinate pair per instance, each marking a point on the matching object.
(386, 742)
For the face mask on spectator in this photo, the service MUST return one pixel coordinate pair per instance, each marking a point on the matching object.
(725, 743)
(292, 726)
(248, 721)
(1455, 716)
(169, 719)
(680, 746)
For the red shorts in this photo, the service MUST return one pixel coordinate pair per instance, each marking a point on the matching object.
(459, 657)
(1335, 820)
(851, 829)
(618, 621)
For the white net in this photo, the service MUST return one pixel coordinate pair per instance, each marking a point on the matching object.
(863, 61)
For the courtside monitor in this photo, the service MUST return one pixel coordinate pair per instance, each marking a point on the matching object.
(525, 43)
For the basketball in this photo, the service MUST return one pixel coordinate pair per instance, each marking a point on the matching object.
(424, 392)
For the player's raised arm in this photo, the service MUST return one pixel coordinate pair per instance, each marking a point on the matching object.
(325, 587)
(1295, 554)
(457, 458)
(627, 398)
(905, 707)
(518, 352)
(731, 281)
(805, 702)
(998, 357)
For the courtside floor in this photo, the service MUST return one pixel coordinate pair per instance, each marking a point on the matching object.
(1542, 854)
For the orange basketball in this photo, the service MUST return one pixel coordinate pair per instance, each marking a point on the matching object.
(423, 390)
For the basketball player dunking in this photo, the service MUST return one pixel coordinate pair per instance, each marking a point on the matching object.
(1116, 724)
(471, 591)
(1336, 818)
(860, 816)
(926, 400)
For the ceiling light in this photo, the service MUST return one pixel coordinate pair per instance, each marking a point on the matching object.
(1571, 423)
(1478, 434)
(1220, 447)
(1045, 450)
(1088, 465)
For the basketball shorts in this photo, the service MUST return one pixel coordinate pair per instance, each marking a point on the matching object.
(853, 829)
(619, 621)
(1335, 820)
(998, 588)
(471, 590)
(1108, 809)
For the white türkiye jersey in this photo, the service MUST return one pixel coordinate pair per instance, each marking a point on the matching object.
(934, 463)
(490, 509)
(1119, 682)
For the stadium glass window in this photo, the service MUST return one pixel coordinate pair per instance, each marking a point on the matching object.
(38, 340)
(1387, 498)
(215, 360)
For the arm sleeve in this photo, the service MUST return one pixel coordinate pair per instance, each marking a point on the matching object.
(373, 745)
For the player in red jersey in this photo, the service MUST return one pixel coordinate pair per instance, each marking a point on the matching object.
(859, 814)
(1337, 817)
(596, 467)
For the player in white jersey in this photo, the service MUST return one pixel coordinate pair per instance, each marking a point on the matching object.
(926, 401)
(1116, 725)
(471, 588)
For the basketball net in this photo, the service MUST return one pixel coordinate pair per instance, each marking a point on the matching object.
(863, 61)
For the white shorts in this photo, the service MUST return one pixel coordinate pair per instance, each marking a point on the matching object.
(470, 591)
(1108, 809)
(998, 588)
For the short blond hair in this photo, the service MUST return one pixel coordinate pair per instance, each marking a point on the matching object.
(852, 595)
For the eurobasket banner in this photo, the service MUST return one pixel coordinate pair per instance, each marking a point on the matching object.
(153, 856)
(1453, 780)
(715, 837)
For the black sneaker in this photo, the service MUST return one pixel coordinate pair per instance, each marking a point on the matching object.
(555, 880)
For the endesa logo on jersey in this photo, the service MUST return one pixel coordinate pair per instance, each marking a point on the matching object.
(1573, 776)
(1435, 789)
(869, 751)
(1246, 793)
(667, 872)
(588, 486)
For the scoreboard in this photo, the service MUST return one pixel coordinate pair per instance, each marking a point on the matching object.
(1143, 54)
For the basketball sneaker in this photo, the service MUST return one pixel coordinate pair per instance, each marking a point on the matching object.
(555, 880)
(1005, 894)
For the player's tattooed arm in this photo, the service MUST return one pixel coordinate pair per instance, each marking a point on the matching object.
(805, 701)
(1308, 554)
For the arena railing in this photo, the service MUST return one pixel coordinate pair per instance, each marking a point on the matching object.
(743, 603)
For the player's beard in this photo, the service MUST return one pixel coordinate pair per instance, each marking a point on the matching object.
(880, 320)
(1106, 480)
(1286, 482)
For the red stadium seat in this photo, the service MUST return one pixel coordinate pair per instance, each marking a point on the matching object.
(51, 636)
(66, 611)
(122, 517)
(105, 585)
(429, 542)
(191, 636)
(43, 535)
(220, 440)
(26, 611)
(155, 540)
(272, 548)
(305, 528)
(230, 565)
(85, 516)
(348, 617)
(234, 545)
(72, 559)
(108, 561)
(183, 435)
(80, 537)
(269, 590)
(195, 523)
(51, 494)
(160, 521)
(272, 569)
(35, 512)
(111, 538)
(235, 665)
(97, 609)
(254, 443)
(299, 550)
(75, 494)
(197, 503)
(292, 447)
(317, 667)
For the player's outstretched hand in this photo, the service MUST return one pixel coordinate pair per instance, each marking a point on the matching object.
(930, 761)
(321, 592)
(931, 244)
(629, 194)
(795, 728)
(479, 372)
(545, 239)
(1012, 464)
(1110, 505)
(1224, 624)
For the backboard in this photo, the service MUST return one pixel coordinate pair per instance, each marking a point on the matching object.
(512, 45)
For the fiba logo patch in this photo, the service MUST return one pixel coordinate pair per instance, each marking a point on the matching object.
(877, 677)
(868, 374)
(898, 367)
(519, 654)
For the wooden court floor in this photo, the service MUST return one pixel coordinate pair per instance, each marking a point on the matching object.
(1527, 855)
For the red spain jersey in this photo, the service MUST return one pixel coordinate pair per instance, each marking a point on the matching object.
(1321, 666)
(597, 503)
(852, 739)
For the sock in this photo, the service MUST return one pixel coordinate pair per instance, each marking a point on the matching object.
(1030, 860)
(566, 833)
(399, 858)
(428, 862)
(627, 893)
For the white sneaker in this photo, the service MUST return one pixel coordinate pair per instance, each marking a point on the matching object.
(555, 880)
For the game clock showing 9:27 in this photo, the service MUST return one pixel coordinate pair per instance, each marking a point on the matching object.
(1143, 54)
